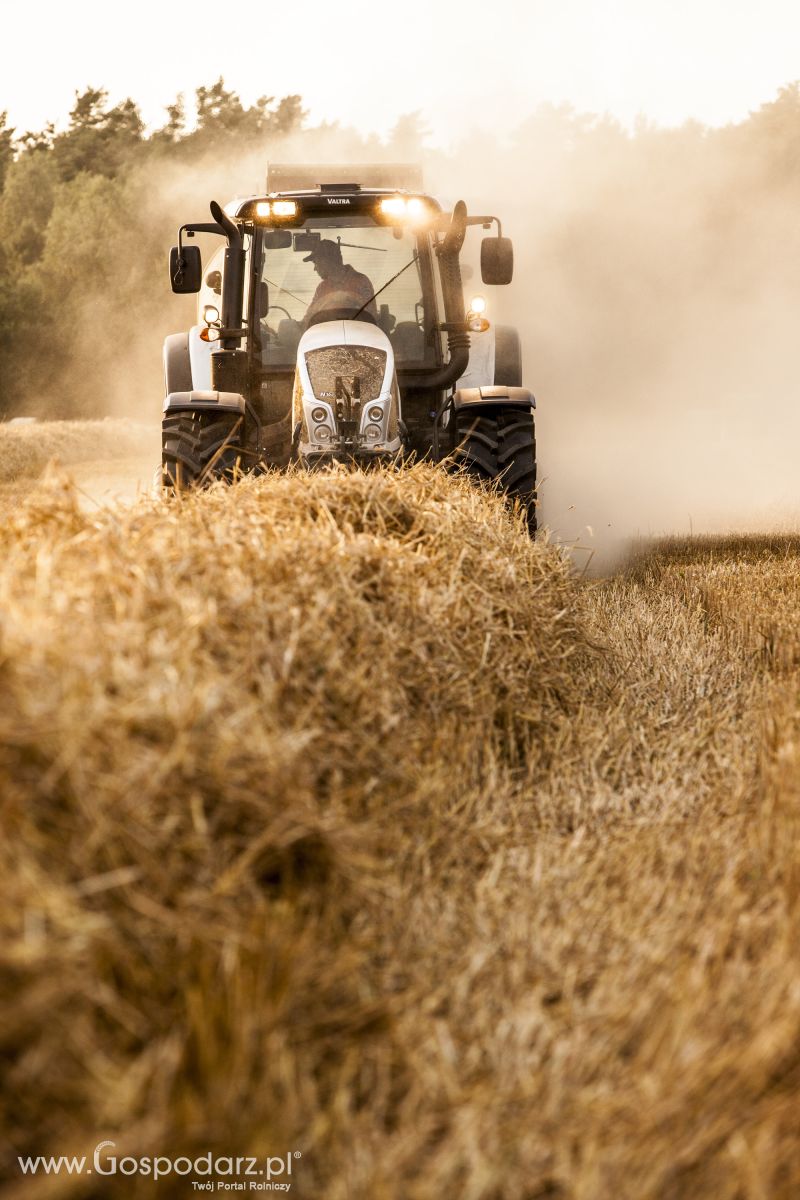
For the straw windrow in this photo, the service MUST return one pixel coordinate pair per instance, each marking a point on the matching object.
(230, 728)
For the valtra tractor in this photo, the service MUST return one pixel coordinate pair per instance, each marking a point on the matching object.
(332, 326)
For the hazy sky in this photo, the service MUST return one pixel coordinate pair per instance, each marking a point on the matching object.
(364, 63)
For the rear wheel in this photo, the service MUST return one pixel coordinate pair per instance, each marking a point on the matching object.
(200, 447)
(498, 445)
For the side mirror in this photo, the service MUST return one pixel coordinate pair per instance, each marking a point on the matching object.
(214, 281)
(277, 239)
(497, 260)
(185, 269)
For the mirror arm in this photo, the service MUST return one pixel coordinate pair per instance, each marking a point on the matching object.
(198, 227)
(486, 223)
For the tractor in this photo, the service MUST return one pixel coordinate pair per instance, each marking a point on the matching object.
(332, 326)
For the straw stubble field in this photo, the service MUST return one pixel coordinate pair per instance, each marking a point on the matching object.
(340, 819)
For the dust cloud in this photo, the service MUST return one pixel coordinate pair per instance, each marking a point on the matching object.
(657, 292)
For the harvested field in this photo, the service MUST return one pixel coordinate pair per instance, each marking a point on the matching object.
(340, 819)
(25, 450)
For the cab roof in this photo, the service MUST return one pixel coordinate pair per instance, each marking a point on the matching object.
(293, 178)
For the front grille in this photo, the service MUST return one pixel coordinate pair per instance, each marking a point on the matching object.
(346, 373)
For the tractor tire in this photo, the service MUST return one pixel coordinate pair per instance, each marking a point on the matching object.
(498, 446)
(199, 448)
(277, 444)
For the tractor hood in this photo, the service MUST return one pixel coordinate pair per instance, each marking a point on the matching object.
(346, 396)
(345, 354)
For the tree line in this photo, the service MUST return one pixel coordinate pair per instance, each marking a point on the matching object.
(79, 248)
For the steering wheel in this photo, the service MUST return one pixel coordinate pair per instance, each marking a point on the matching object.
(265, 329)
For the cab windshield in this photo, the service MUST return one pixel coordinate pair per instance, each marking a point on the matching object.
(337, 267)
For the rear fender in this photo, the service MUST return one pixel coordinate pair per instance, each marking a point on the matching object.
(480, 370)
(177, 364)
(200, 359)
(187, 362)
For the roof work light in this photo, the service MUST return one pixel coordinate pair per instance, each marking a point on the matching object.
(276, 208)
(402, 208)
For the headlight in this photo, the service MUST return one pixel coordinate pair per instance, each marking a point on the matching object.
(373, 433)
(375, 414)
(210, 314)
(320, 414)
(322, 433)
(476, 321)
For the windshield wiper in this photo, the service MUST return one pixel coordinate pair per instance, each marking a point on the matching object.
(375, 295)
(356, 246)
(285, 291)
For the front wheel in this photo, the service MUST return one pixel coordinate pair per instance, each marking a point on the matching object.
(498, 445)
(200, 447)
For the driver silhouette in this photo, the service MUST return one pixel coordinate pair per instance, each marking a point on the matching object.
(340, 286)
